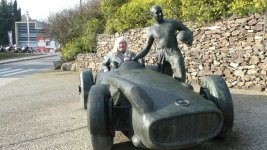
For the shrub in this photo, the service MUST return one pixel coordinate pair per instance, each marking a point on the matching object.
(77, 29)
(91, 29)
(71, 49)
(85, 43)
(203, 11)
(245, 7)
(136, 14)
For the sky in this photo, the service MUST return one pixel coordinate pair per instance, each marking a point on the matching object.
(41, 9)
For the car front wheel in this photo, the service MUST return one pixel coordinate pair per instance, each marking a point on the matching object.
(99, 117)
(215, 89)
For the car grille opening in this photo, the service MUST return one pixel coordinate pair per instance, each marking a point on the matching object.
(184, 130)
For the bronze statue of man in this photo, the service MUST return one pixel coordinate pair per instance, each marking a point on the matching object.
(163, 32)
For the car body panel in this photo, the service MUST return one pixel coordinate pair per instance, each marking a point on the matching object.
(163, 113)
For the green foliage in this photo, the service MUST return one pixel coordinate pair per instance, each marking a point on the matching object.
(9, 13)
(245, 7)
(77, 30)
(109, 7)
(84, 43)
(136, 14)
(68, 23)
(91, 29)
(129, 15)
(203, 11)
(71, 49)
(108, 10)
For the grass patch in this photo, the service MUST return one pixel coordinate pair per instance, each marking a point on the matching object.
(4, 56)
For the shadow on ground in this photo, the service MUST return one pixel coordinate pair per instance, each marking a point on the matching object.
(250, 119)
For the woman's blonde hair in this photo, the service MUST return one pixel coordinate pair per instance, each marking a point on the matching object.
(117, 42)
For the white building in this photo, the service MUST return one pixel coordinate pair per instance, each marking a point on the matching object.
(22, 37)
(32, 37)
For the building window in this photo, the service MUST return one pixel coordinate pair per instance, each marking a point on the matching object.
(47, 43)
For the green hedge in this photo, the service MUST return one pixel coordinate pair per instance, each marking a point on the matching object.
(245, 7)
(121, 15)
(135, 13)
(85, 43)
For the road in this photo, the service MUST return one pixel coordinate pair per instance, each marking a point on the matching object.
(42, 111)
(12, 71)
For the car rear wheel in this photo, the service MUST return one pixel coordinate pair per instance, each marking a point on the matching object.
(99, 117)
(86, 82)
(215, 89)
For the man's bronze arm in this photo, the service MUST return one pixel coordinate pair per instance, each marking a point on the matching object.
(145, 50)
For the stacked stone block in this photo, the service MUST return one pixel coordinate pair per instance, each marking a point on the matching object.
(233, 48)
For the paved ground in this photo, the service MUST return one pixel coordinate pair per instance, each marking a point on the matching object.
(43, 111)
(27, 58)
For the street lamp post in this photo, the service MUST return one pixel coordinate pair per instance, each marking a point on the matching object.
(28, 28)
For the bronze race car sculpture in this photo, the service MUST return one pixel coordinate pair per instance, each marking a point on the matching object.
(154, 110)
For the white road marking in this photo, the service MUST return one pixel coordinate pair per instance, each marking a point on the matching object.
(4, 69)
(8, 71)
(18, 72)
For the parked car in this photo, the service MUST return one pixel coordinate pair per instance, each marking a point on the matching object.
(10, 49)
(26, 49)
(154, 110)
(17, 49)
(2, 49)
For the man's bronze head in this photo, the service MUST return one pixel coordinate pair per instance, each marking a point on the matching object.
(156, 13)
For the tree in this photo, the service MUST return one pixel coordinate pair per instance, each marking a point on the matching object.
(16, 16)
(16, 11)
(68, 24)
(9, 14)
(76, 29)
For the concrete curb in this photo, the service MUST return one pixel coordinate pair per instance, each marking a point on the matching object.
(27, 58)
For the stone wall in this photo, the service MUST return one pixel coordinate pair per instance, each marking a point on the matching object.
(233, 48)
